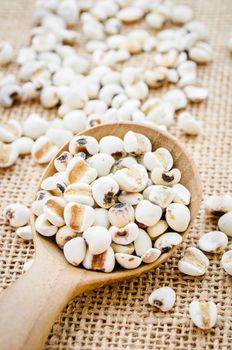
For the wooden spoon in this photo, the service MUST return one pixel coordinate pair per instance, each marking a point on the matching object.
(30, 306)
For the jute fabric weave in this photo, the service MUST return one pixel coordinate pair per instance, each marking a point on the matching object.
(119, 317)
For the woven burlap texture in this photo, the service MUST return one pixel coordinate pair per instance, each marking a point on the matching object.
(119, 317)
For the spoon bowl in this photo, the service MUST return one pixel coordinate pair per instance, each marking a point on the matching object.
(47, 287)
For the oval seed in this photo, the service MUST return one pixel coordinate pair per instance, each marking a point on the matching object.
(142, 243)
(178, 217)
(17, 214)
(163, 298)
(166, 241)
(226, 262)
(128, 261)
(147, 213)
(75, 250)
(213, 242)
(225, 223)
(203, 314)
(121, 214)
(194, 262)
(98, 239)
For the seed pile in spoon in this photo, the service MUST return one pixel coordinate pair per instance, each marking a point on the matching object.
(116, 200)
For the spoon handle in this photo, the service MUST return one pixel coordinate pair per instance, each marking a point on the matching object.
(30, 306)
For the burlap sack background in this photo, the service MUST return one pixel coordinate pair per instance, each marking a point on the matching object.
(119, 317)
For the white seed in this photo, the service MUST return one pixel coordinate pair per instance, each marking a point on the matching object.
(49, 97)
(168, 178)
(178, 217)
(138, 90)
(159, 112)
(124, 235)
(102, 162)
(61, 162)
(10, 131)
(98, 239)
(56, 184)
(25, 232)
(213, 242)
(130, 198)
(161, 195)
(133, 179)
(93, 30)
(44, 41)
(218, 204)
(155, 20)
(75, 121)
(142, 243)
(226, 262)
(8, 154)
(34, 126)
(156, 78)
(181, 194)
(77, 63)
(59, 136)
(17, 214)
(63, 235)
(168, 60)
(196, 94)
(198, 28)
(75, 250)
(201, 53)
(149, 44)
(9, 94)
(79, 193)
(225, 223)
(157, 229)
(78, 217)
(167, 241)
(161, 158)
(194, 262)
(130, 76)
(128, 261)
(102, 262)
(95, 107)
(78, 170)
(147, 213)
(6, 53)
(43, 150)
(136, 144)
(101, 217)
(203, 314)
(181, 14)
(176, 98)
(126, 111)
(104, 190)
(120, 214)
(151, 255)
(37, 204)
(44, 227)
(54, 210)
(75, 97)
(84, 144)
(27, 265)
(112, 26)
(189, 125)
(163, 298)
(125, 249)
(122, 163)
(130, 15)
(24, 145)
